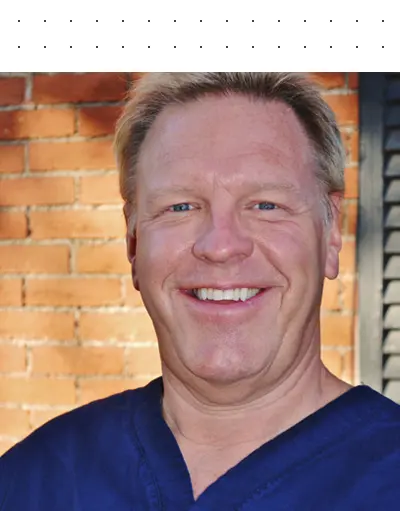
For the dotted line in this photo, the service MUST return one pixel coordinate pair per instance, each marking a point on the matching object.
(202, 46)
(123, 21)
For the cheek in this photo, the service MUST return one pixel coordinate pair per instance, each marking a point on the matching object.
(290, 240)
(158, 254)
(293, 249)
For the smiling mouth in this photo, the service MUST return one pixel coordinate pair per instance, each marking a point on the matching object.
(225, 295)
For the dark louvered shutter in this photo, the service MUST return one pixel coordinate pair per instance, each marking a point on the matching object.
(379, 233)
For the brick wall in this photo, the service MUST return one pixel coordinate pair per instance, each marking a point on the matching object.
(72, 328)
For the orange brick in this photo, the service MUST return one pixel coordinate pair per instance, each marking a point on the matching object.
(353, 81)
(88, 155)
(348, 367)
(14, 422)
(349, 292)
(37, 391)
(352, 210)
(132, 297)
(78, 87)
(98, 120)
(10, 292)
(351, 183)
(345, 107)
(139, 361)
(12, 90)
(120, 326)
(337, 330)
(350, 142)
(37, 190)
(77, 224)
(77, 360)
(354, 147)
(330, 297)
(13, 225)
(18, 124)
(100, 189)
(12, 358)
(12, 158)
(332, 359)
(92, 389)
(40, 417)
(104, 258)
(24, 324)
(73, 291)
(329, 80)
(347, 258)
(34, 259)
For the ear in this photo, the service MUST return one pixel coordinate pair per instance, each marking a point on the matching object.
(131, 242)
(334, 238)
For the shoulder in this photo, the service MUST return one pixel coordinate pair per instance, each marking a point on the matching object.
(78, 443)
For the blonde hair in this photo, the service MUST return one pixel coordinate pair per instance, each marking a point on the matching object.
(154, 91)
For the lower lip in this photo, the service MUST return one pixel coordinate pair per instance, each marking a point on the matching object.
(225, 307)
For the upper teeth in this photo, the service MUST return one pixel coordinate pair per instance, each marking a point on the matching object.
(237, 294)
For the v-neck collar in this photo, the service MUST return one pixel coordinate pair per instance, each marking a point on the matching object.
(261, 468)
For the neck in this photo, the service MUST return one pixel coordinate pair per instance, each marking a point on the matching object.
(201, 420)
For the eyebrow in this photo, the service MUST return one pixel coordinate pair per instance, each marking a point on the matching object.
(175, 189)
(255, 188)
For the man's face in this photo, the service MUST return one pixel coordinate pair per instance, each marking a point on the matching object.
(227, 199)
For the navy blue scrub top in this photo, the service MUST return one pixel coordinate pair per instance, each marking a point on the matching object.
(119, 454)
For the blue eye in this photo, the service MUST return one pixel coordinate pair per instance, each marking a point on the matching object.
(266, 206)
(180, 208)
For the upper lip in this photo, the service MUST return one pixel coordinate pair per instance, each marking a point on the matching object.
(224, 287)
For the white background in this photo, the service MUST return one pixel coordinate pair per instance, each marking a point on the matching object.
(33, 44)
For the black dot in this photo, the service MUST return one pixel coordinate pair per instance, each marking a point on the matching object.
(330, 21)
(148, 21)
(278, 46)
(70, 21)
(96, 46)
(226, 47)
(19, 46)
(174, 46)
(227, 21)
(19, 21)
(356, 46)
(252, 46)
(123, 46)
(382, 21)
(305, 46)
(44, 46)
(123, 21)
(44, 21)
(356, 21)
(382, 46)
(305, 21)
(97, 21)
(330, 46)
(201, 47)
(201, 21)
(279, 21)
(252, 21)
(70, 46)
(148, 47)
(174, 21)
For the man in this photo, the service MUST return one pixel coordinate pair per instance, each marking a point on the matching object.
(232, 185)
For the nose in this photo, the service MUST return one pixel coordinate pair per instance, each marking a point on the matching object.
(223, 241)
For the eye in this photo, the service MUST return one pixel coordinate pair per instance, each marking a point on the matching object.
(266, 206)
(180, 208)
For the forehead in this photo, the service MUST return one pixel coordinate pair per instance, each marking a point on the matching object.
(225, 138)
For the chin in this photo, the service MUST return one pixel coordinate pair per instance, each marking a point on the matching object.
(226, 373)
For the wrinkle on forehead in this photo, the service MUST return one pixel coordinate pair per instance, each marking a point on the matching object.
(223, 139)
